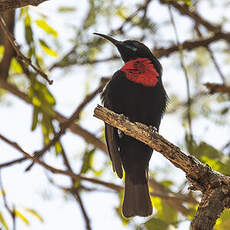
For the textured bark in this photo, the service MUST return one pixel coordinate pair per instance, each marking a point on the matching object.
(214, 186)
(9, 51)
(13, 4)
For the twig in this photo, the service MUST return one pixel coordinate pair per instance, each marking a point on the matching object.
(189, 102)
(193, 44)
(66, 125)
(184, 10)
(21, 56)
(13, 4)
(11, 211)
(214, 186)
(75, 128)
(174, 200)
(59, 171)
(87, 220)
(19, 160)
(218, 69)
(218, 88)
(75, 193)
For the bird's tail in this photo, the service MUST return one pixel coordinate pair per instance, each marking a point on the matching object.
(137, 201)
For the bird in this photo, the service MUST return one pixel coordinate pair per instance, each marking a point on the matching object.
(137, 92)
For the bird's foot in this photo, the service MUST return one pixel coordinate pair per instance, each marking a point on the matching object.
(123, 117)
(120, 133)
(152, 129)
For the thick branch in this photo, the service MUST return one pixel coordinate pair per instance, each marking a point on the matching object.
(201, 176)
(13, 4)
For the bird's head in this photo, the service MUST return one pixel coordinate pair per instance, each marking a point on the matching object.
(131, 50)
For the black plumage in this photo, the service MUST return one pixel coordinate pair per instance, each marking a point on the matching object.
(133, 93)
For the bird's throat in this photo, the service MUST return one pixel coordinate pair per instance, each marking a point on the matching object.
(141, 71)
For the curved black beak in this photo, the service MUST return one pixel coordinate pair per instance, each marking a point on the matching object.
(114, 41)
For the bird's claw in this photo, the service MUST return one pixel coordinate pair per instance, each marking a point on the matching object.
(152, 128)
(123, 117)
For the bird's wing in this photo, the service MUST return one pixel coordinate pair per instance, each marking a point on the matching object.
(112, 143)
(111, 134)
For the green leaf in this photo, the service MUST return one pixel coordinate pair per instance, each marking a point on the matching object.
(22, 217)
(15, 67)
(223, 222)
(164, 211)
(27, 20)
(3, 222)
(216, 165)
(44, 26)
(35, 118)
(28, 34)
(36, 101)
(168, 214)
(156, 224)
(58, 148)
(87, 160)
(47, 49)
(2, 49)
(66, 9)
(91, 16)
(35, 214)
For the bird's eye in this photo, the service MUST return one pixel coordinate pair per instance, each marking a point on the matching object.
(133, 48)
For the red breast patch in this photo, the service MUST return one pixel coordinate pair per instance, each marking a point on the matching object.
(142, 71)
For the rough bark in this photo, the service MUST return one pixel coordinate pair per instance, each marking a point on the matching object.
(13, 4)
(214, 186)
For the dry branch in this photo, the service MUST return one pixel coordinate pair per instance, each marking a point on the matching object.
(64, 126)
(75, 128)
(214, 186)
(21, 56)
(13, 4)
(185, 10)
(218, 88)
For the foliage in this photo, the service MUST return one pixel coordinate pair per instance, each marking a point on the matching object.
(70, 49)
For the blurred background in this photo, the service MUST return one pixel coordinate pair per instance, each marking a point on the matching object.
(191, 40)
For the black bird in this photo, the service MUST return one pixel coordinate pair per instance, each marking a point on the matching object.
(136, 91)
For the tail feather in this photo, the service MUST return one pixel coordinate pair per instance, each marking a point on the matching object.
(137, 201)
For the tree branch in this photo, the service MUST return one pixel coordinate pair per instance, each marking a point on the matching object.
(214, 186)
(74, 117)
(185, 10)
(218, 88)
(75, 128)
(59, 171)
(13, 4)
(21, 56)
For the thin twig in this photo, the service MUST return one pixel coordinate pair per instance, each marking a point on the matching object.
(218, 88)
(59, 171)
(218, 69)
(185, 72)
(184, 10)
(10, 210)
(75, 128)
(13, 162)
(79, 200)
(21, 56)
(66, 125)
